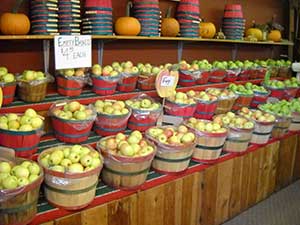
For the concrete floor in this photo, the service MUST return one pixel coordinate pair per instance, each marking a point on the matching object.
(281, 208)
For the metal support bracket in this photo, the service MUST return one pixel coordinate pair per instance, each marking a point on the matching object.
(100, 49)
(179, 50)
(234, 52)
(272, 52)
(46, 52)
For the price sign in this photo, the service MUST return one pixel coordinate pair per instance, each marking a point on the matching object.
(73, 51)
(167, 81)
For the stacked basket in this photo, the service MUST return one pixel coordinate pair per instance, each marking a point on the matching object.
(69, 17)
(188, 14)
(44, 17)
(148, 14)
(233, 22)
(98, 17)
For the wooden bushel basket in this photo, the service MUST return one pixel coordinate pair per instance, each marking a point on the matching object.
(177, 109)
(224, 105)
(70, 191)
(69, 86)
(32, 93)
(146, 82)
(295, 123)
(104, 85)
(242, 101)
(127, 83)
(205, 110)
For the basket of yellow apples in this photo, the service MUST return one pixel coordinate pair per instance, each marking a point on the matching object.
(264, 123)
(239, 131)
(20, 182)
(129, 76)
(71, 81)
(148, 73)
(32, 85)
(211, 137)
(112, 117)
(127, 159)
(72, 121)
(71, 175)
(175, 147)
(8, 85)
(145, 112)
(21, 132)
(180, 104)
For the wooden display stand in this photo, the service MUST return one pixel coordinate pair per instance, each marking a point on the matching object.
(204, 194)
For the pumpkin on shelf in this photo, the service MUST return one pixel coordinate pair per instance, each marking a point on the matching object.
(207, 30)
(274, 35)
(14, 23)
(169, 26)
(255, 32)
(127, 25)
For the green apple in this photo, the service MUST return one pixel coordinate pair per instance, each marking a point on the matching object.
(66, 163)
(22, 181)
(10, 182)
(5, 167)
(33, 177)
(86, 160)
(20, 171)
(74, 157)
(30, 112)
(36, 123)
(56, 157)
(34, 169)
(95, 162)
(75, 168)
(3, 71)
(58, 168)
(8, 78)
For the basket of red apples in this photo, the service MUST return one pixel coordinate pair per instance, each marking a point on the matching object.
(206, 104)
(175, 147)
(72, 121)
(264, 123)
(21, 132)
(8, 85)
(71, 175)
(71, 81)
(112, 117)
(127, 159)
(20, 182)
(239, 131)
(226, 99)
(144, 112)
(211, 137)
(180, 105)
(104, 79)
(32, 85)
(129, 77)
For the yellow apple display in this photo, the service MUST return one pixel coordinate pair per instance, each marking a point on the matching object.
(5, 76)
(221, 93)
(257, 115)
(143, 104)
(107, 71)
(205, 125)
(111, 107)
(182, 98)
(232, 120)
(71, 159)
(79, 72)
(202, 96)
(31, 75)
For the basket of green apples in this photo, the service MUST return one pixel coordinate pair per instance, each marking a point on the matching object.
(129, 77)
(264, 123)
(245, 96)
(8, 85)
(20, 181)
(218, 72)
(112, 117)
(239, 131)
(127, 159)
(260, 96)
(71, 175)
(211, 137)
(282, 111)
(21, 132)
(72, 121)
(295, 107)
(71, 81)
(261, 68)
(32, 85)
(148, 73)
(233, 71)
(246, 70)
(205, 68)
(145, 112)
(292, 87)
(181, 105)
(226, 99)
(175, 147)
(273, 68)
(285, 69)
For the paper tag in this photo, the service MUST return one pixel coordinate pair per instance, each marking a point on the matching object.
(167, 81)
(73, 51)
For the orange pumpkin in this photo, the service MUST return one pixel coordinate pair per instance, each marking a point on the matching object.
(127, 25)
(207, 30)
(14, 23)
(255, 32)
(274, 35)
(169, 26)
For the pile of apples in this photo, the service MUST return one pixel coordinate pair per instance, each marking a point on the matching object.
(256, 88)
(231, 120)
(205, 125)
(71, 159)
(221, 93)
(295, 105)
(289, 83)
(31, 75)
(182, 98)
(79, 72)
(257, 115)
(148, 69)
(73, 111)
(143, 104)
(132, 145)
(108, 70)
(111, 107)
(28, 121)
(196, 65)
(5, 76)
(172, 135)
(14, 176)
(202, 96)
(240, 89)
(278, 63)
(280, 108)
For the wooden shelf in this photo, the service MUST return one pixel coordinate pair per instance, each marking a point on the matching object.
(114, 37)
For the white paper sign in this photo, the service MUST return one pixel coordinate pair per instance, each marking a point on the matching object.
(167, 81)
(73, 51)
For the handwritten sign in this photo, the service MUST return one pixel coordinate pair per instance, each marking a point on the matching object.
(73, 51)
(167, 81)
